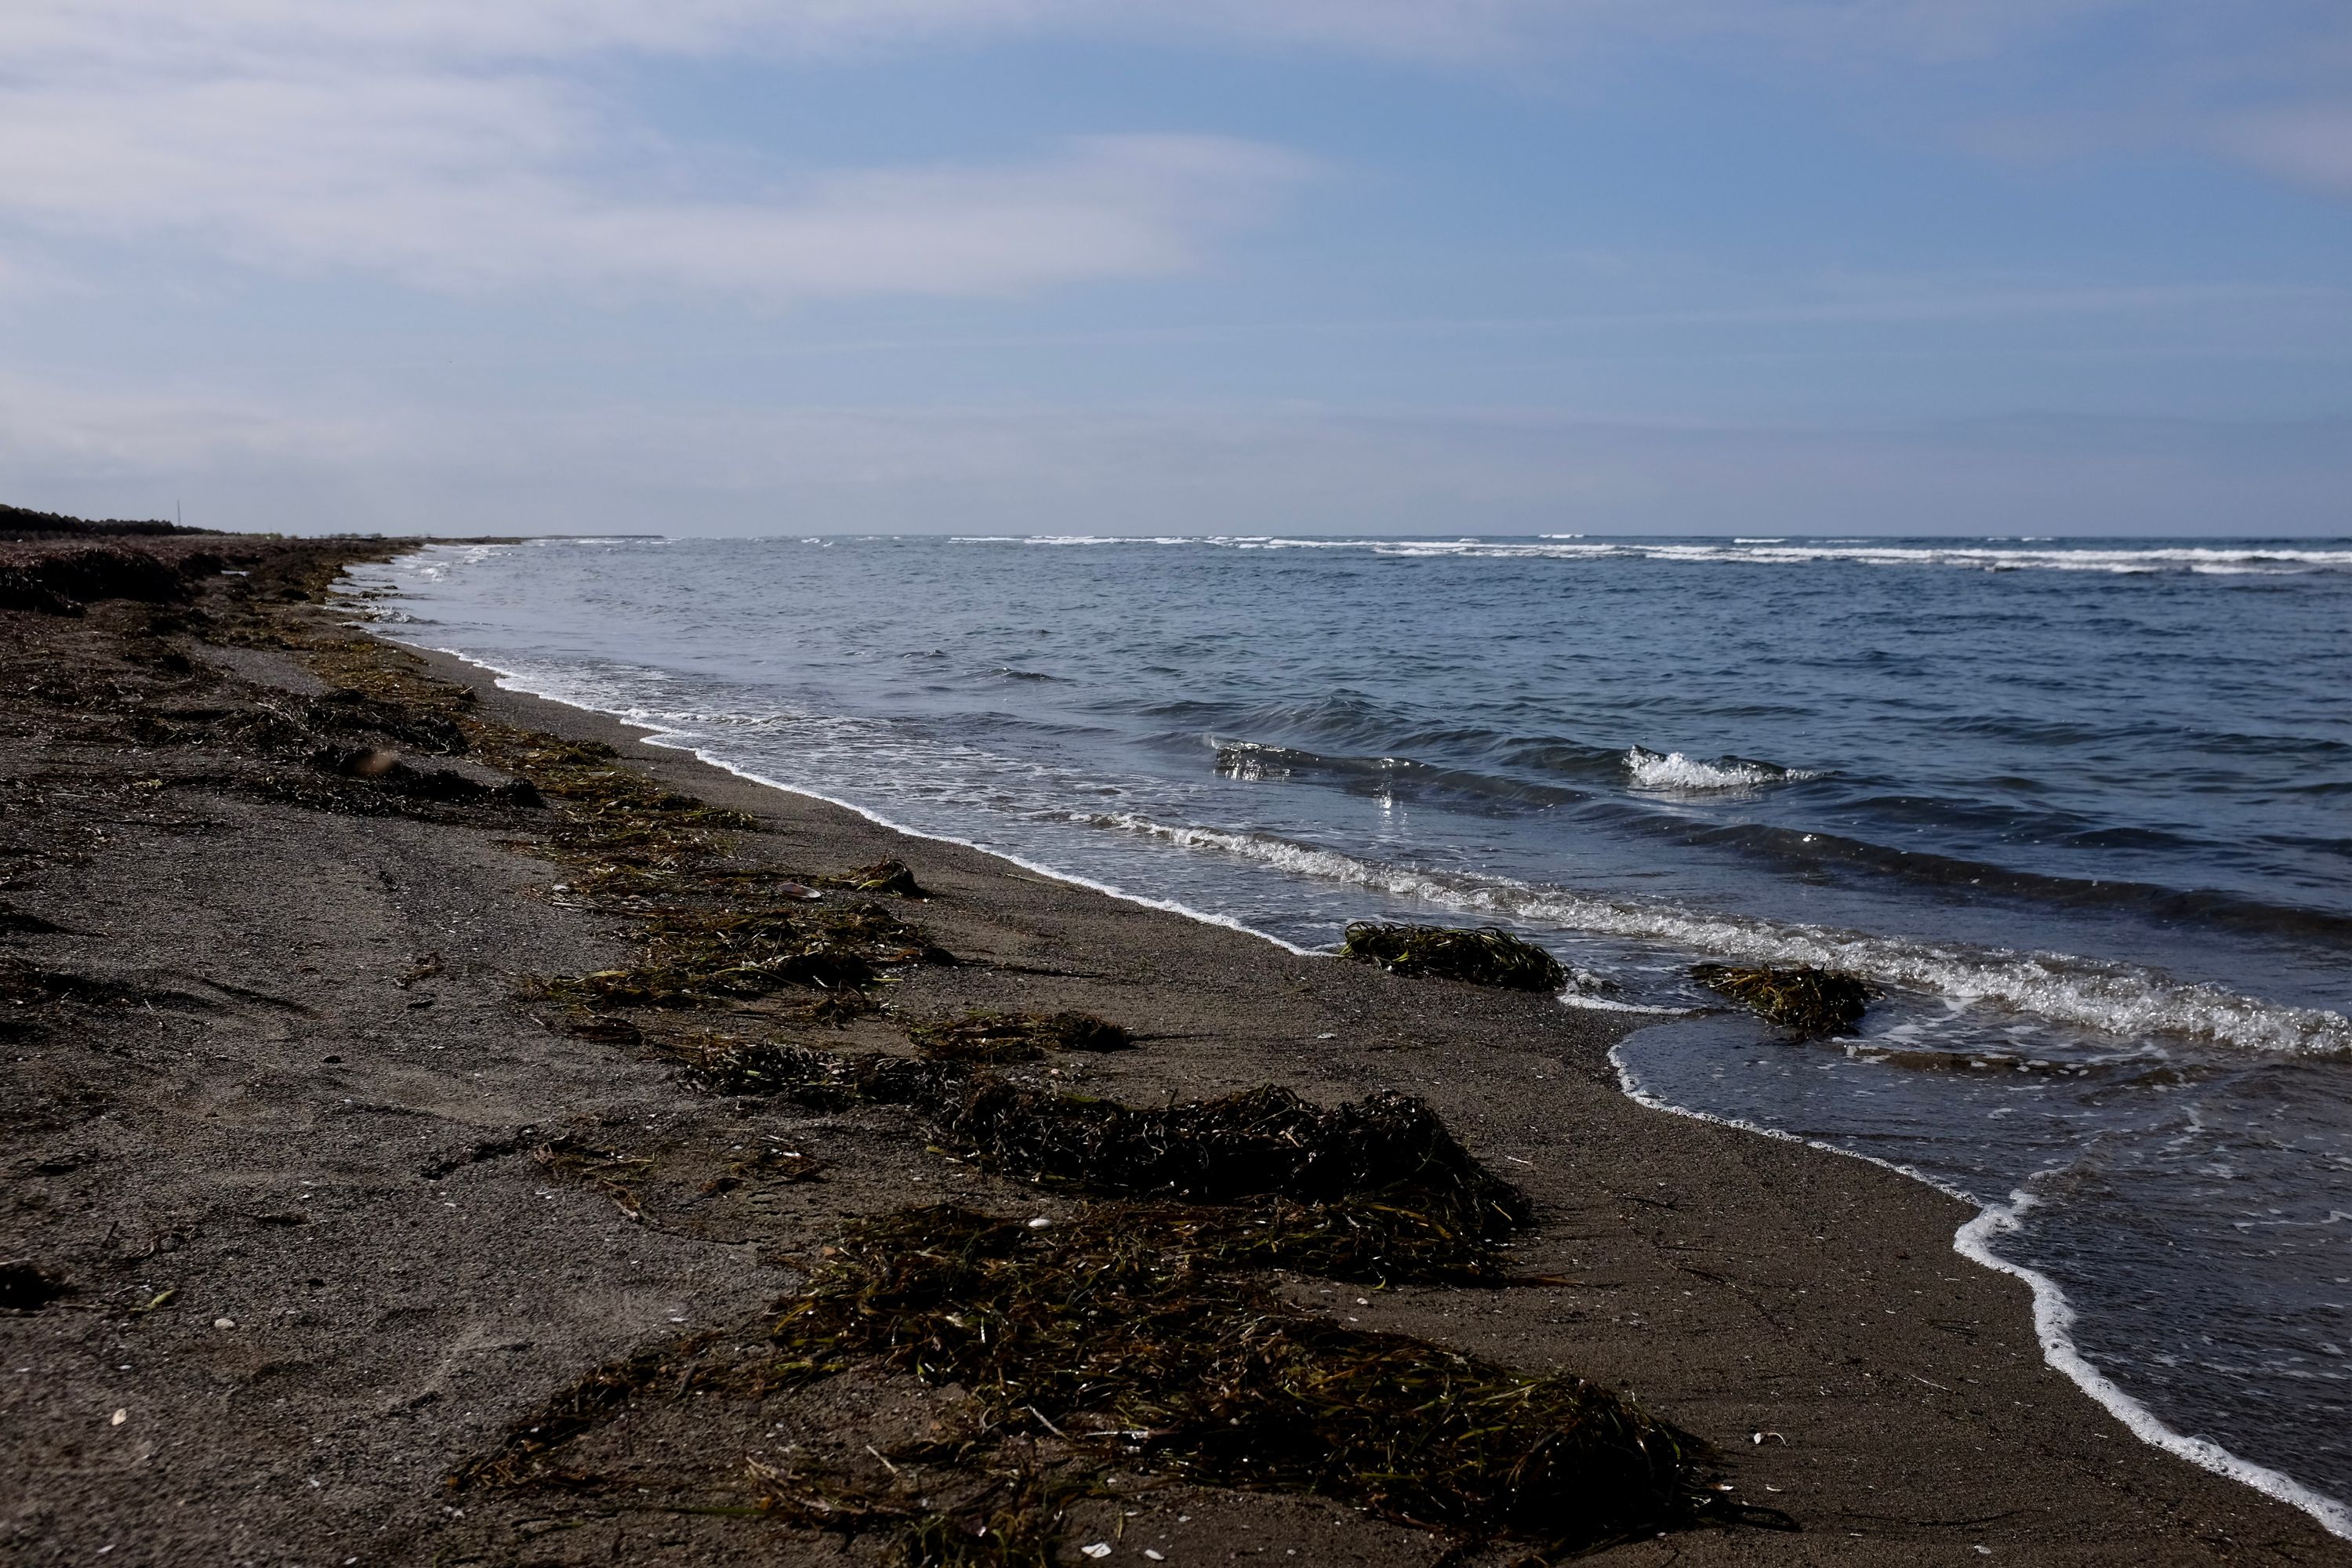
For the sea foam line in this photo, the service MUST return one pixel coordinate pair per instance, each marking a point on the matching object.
(2200, 560)
(2053, 1316)
(2114, 998)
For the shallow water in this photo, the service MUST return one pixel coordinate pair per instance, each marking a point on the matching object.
(2082, 809)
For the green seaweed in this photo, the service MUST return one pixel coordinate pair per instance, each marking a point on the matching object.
(1114, 1338)
(1807, 1000)
(1487, 956)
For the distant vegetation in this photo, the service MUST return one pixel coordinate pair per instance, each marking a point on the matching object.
(22, 522)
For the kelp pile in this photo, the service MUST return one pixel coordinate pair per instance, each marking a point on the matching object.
(889, 877)
(1807, 1000)
(64, 580)
(981, 1037)
(1265, 1143)
(1487, 956)
(1114, 1340)
(693, 957)
(1115, 1337)
(1262, 1143)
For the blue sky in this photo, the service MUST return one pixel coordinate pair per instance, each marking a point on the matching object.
(1069, 266)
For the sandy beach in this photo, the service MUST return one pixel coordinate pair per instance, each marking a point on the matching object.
(334, 1168)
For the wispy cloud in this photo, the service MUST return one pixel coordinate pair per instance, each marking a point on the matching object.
(2309, 144)
(453, 143)
(450, 146)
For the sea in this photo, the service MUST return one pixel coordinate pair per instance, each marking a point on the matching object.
(2080, 809)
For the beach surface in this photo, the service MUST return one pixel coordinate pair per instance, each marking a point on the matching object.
(320, 1193)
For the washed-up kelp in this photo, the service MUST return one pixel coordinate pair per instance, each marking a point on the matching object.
(1808, 1000)
(694, 957)
(1263, 1143)
(1015, 1037)
(1487, 956)
(1266, 1142)
(823, 1081)
(1110, 1336)
(882, 877)
(616, 1174)
(60, 581)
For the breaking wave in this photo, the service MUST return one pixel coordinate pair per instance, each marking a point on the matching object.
(1674, 770)
(2114, 998)
(2261, 559)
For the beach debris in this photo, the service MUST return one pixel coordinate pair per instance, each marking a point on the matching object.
(26, 1286)
(1015, 1037)
(1487, 955)
(608, 1171)
(695, 957)
(1265, 1143)
(1115, 1334)
(1112, 1342)
(890, 877)
(782, 1166)
(62, 582)
(1805, 999)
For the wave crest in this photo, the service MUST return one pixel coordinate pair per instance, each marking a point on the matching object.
(2114, 998)
(1672, 769)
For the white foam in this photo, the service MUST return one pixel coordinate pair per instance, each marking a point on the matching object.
(2201, 559)
(2054, 1325)
(2115, 998)
(2054, 1318)
(1674, 770)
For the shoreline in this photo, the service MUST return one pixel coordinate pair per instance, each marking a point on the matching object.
(2053, 1312)
(325, 1140)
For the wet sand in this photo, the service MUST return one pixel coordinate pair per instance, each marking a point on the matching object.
(276, 1074)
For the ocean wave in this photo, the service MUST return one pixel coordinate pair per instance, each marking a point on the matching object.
(2268, 560)
(2114, 998)
(1674, 770)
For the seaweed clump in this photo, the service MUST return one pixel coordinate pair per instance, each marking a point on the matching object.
(1124, 1339)
(1486, 956)
(693, 957)
(1808, 1000)
(890, 877)
(1016, 1036)
(1117, 1339)
(1264, 1142)
(61, 581)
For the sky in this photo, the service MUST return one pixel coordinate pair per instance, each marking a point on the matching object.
(1303, 267)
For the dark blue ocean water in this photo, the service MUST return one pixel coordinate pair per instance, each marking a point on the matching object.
(2082, 808)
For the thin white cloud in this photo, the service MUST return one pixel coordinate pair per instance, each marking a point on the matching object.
(2309, 145)
(446, 145)
(455, 143)
(466, 183)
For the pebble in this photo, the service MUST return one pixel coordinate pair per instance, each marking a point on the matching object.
(223, 1322)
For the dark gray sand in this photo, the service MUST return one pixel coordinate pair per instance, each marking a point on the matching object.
(278, 1144)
